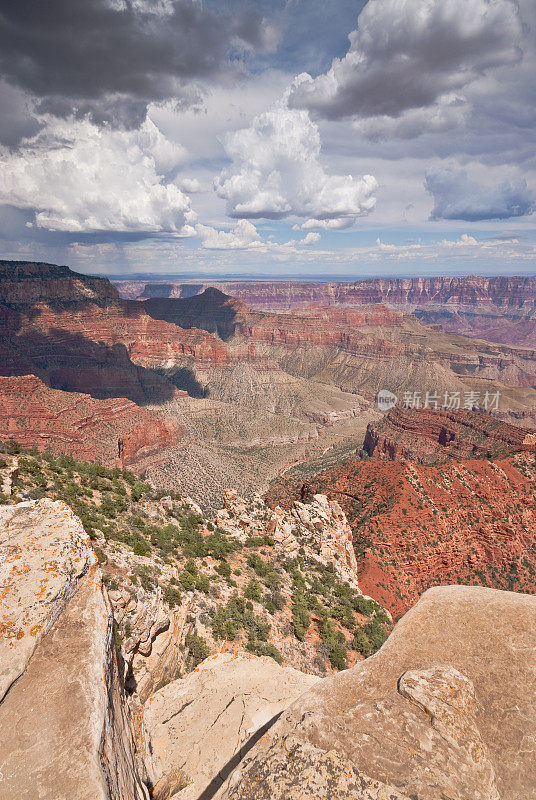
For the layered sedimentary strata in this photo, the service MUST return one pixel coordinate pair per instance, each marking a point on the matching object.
(469, 291)
(429, 436)
(114, 431)
(501, 309)
(64, 726)
(34, 282)
(360, 350)
(444, 709)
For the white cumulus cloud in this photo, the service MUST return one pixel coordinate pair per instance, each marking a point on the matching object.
(244, 236)
(276, 173)
(79, 177)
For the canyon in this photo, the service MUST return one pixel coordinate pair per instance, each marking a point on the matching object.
(210, 528)
(430, 436)
(421, 718)
(206, 392)
(416, 525)
(500, 309)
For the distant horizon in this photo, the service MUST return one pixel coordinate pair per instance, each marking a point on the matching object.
(252, 278)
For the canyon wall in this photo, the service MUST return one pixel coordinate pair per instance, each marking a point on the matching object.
(427, 436)
(416, 526)
(501, 309)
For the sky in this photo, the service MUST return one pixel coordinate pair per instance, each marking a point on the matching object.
(282, 138)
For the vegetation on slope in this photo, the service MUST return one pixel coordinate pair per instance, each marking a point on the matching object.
(241, 594)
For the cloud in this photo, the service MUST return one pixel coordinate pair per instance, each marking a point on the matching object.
(466, 250)
(110, 59)
(190, 185)
(451, 112)
(79, 178)
(276, 173)
(310, 238)
(458, 197)
(413, 54)
(243, 236)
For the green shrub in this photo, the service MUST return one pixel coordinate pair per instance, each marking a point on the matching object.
(198, 649)
(224, 569)
(172, 596)
(253, 591)
(335, 643)
(141, 548)
(187, 581)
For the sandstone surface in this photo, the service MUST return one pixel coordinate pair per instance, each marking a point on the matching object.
(199, 728)
(444, 710)
(65, 731)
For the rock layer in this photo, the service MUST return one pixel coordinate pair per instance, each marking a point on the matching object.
(444, 710)
(416, 526)
(64, 727)
(198, 728)
(501, 309)
(427, 436)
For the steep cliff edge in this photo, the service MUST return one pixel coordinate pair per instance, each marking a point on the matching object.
(199, 728)
(24, 282)
(444, 710)
(64, 725)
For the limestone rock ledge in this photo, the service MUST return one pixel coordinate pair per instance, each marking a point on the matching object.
(446, 709)
(197, 729)
(65, 732)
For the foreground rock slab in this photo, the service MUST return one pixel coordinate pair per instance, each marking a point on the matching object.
(64, 728)
(444, 711)
(199, 728)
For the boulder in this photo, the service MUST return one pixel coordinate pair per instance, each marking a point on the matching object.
(197, 729)
(65, 731)
(446, 709)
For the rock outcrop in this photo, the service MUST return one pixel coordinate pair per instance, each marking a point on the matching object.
(115, 431)
(65, 731)
(358, 349)
(444, 710)
(198, 729)
(427, 436)
(319, 525)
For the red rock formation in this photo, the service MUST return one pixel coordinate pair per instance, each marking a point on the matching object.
(114, 431)
(27, 282)
(501, 309)
(385, 342)
(418, 526)
(427, 436)
(471, 291)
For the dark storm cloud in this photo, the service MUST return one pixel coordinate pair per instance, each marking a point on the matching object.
(110, 59)
(407, 55)
(16, 119)
(457, 197)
